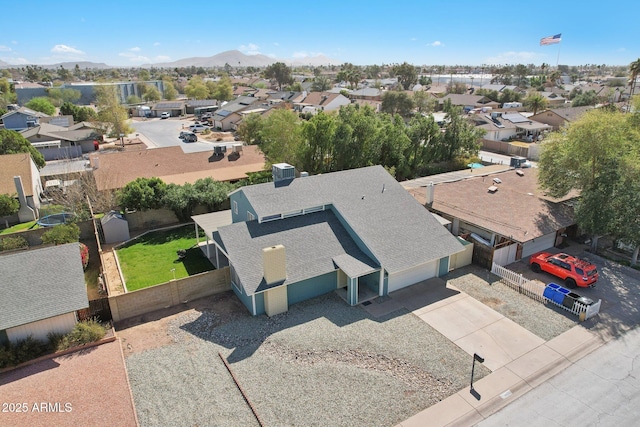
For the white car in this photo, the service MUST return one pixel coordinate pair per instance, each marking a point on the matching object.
(198, 128)
(165, 115)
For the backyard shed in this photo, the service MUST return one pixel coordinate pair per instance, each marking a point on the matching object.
(115, 227)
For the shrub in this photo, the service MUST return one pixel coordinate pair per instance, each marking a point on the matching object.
(61, 234)
(9, 243)
(84, 254)
(23, 350)
(83, 333)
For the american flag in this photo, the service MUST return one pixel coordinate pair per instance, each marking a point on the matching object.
(551, 40)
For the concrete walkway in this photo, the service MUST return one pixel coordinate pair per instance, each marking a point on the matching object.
(519, 360)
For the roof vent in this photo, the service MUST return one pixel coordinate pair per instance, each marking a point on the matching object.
(497, 180)
(492, 189)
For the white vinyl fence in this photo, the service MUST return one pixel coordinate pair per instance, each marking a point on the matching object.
(535, 291)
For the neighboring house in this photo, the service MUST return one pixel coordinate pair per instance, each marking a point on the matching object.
(114, 170)
(502, 126)
(368, 93)
(223, 119)
(291, 97)
(321, 101)
(21, 119)
(355, 231)
(64, 121)
(58, 142)
(174, 108)
(559, 117)
(505, 213)
(467, 101)
(19, 176)
(41, 291)
(200, 106)
(553, 99)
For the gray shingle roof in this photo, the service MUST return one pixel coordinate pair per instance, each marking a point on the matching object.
(393, 225)
(311, 243)
(41, 283)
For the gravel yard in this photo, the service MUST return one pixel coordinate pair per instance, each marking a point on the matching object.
(321, 363)
(545, 320)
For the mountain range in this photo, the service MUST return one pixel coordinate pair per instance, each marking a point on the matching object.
(234, 58)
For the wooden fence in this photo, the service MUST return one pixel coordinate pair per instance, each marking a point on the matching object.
(535, 291)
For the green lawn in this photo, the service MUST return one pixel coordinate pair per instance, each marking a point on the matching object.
(44, 211)
(149, 259)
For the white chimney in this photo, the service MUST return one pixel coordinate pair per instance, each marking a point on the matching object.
(274, 262)
(429, 194)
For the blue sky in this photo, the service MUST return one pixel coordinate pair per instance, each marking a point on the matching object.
(431, 32)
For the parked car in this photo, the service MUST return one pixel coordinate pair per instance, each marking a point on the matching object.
(188, 136)
(574, 271)
(165, 115)
(198, 127)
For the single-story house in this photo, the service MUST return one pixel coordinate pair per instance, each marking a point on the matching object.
(467, 101)
(42, 289)
(356, 231)
(221, 119)
(505, 213)
(321, 101)
(19, 176)
(194, 106)
(58, 142)
(501, 126)
(174, 108)
(558, 117)
(22, 118)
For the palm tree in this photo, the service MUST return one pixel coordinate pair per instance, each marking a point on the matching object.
(634, 69)
(535, 102)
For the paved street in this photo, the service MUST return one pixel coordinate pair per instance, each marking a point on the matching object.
(165, 133)
(602, 388)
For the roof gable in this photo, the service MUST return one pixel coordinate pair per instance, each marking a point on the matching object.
(399, 231)
(41, 283)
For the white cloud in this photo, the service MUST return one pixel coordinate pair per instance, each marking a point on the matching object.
(303, 54)
(156, 44)
(250, 49)
(5, 48)
(135, 49)
(133, 58)
(436, 43)
(67, 50)
(512, 57)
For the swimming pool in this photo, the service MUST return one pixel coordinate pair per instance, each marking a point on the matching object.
(475, 165)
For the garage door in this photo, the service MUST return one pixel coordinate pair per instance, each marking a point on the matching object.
(413, 275)
(538, 244)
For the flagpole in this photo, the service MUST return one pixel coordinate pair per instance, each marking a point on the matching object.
(558, 57)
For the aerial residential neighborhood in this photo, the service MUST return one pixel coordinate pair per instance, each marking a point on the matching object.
(334, 236)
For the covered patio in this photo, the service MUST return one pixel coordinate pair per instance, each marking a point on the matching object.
(210, 223)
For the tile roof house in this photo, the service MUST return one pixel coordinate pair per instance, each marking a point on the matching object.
(355, 231)
(500, 210)
(22, 118)
(41, 291)
(19, 176)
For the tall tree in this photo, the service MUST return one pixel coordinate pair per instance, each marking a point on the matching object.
(316, 151)
(535, 102)
(281, 136)
(634, 70)
(424, 102)
(142, 194)
(599, 156)
(170, 92)
(152, 94)
(112, 116)
(406, 74)
(42, 105)
(280, 73)
(321, 84)
(250, 128)
(12, 142)
(196, 88)
(460, 137)
(397, 102)
(424, 135)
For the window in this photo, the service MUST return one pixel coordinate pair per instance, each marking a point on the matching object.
(235, 207)
(250, 216)
(579, 271)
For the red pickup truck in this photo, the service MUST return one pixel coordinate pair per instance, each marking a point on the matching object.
(574, 271)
